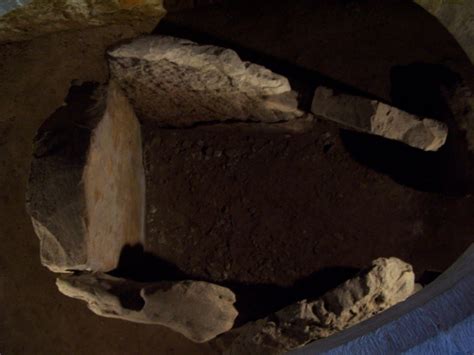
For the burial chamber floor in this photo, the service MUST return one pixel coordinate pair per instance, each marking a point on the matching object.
(278, 216)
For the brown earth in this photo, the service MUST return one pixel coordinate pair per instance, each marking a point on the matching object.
(289, 213)
(258, 211)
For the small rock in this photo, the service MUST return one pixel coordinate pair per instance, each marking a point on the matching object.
(377, 118)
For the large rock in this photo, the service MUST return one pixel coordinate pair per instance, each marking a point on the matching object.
(198, 310)
(86, 188)
(458, 17)
(388, 282)
(437, 320)
(180, 83)
(377, 118)
(23, 20)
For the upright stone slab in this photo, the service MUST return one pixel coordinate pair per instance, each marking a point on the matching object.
(180, 83)
(86, 187)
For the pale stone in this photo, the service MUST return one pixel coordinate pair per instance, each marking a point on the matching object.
(27, 19)
(377, 118)
(458, 17)
(180, 83)
(198, 310)
(438, 319)
(86, 191)
(388, 282)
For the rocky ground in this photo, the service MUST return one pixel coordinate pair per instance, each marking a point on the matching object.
(338, 199)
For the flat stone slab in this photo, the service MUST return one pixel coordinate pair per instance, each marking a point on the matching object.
(198, 310)
(374, 117)
(180, 83)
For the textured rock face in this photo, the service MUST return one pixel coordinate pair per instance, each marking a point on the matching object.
(198, 310)
(86, 199)
(27, 19)
(388, 282)
(377, 118)
(86, 188)
(458, 17)
(179, 83)
(461, 103)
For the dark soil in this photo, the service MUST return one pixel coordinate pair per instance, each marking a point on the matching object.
(241, 205)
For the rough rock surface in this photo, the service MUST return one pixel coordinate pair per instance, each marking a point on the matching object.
(198, 310)
(461, 103)
(179, 83)
(388, 282)
(458, 17)
(29, 19)
(377, 118)
(91, 143)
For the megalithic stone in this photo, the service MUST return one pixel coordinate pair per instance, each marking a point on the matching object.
(198, 310)
(177, 82)
(86, 188)
(374, 117)
(385, 283)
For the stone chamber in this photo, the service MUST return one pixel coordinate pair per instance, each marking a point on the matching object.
(221, 176)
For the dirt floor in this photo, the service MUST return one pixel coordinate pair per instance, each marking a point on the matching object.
(265, 212)
(243, 206)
